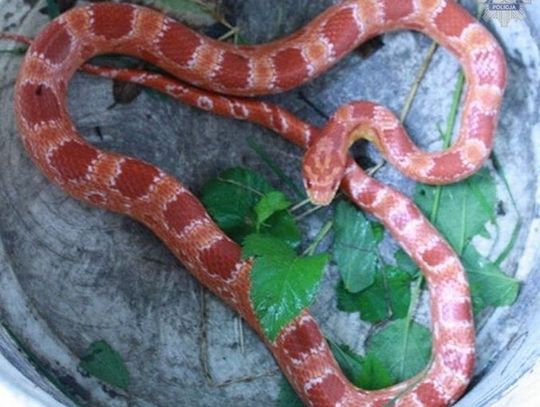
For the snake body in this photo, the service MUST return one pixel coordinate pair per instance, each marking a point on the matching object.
(222, 75)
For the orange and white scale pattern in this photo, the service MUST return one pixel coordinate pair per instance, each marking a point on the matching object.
(142, 191)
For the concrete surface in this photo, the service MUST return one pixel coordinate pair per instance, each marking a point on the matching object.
(72, 274)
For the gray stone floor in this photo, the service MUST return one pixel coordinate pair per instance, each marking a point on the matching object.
(72, 274)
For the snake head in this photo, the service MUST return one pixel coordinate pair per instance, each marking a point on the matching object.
(324, 167)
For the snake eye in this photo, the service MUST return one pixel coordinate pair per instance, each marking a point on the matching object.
(309, 184)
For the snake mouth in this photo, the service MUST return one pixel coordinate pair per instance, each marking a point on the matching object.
(321, 194)
(319, 200)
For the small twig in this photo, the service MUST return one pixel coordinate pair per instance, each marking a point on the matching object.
(238, 184)
(309, 212)
(371, 171)
(231, 33)
(243, 379)
(447, 137)
(300, 205)
(415, 300)
(203, 338)
(16, 51)
(310, 251)
(157, 261)
(416, 85)
(239, 328)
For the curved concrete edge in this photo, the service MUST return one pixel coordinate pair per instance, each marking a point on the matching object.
(16, 390)
(518, 370)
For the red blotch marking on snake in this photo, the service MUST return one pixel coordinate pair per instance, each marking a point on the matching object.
(340, 39)
(429, 395)
(180, 52)
(443, 162)
(183, 211)
(73, 160)
(221, 258)
(327, 391)
(290, 67)
(363, 111)
(38, 104)
(55, 43)
(437, 254)
(233, 72)
(369, 194)
(453, 20)
(114, 22)
(298, 343)
(394, 10)
(135, 178)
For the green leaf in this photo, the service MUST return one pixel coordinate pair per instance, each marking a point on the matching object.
(403, 349)
(53, 10)
(405, 263)
(354, 248)
(269, 204)
(283, 226)
(287, 396)
(106, 364)
(349, 361)
(378, 231)
(373, 375)
(489, 285)
(388, 297)
(260, 245)
(367, 373)
(231, 198)
(282, 286)
(346, 301)
(464, 208)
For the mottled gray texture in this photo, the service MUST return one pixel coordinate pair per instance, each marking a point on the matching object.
(72, 274)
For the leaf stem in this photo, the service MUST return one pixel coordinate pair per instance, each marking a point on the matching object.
(447, 137)
(310, 251)
(500, 171)
(418, 80)
(506, 251)
(238, 184)
(371, 171)
(463, 226)
(231, 33)
(452, 117)
(278, 171)
(16, 51)
(415, 299)
(308, 212)
(515, 233)
(300, 205)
